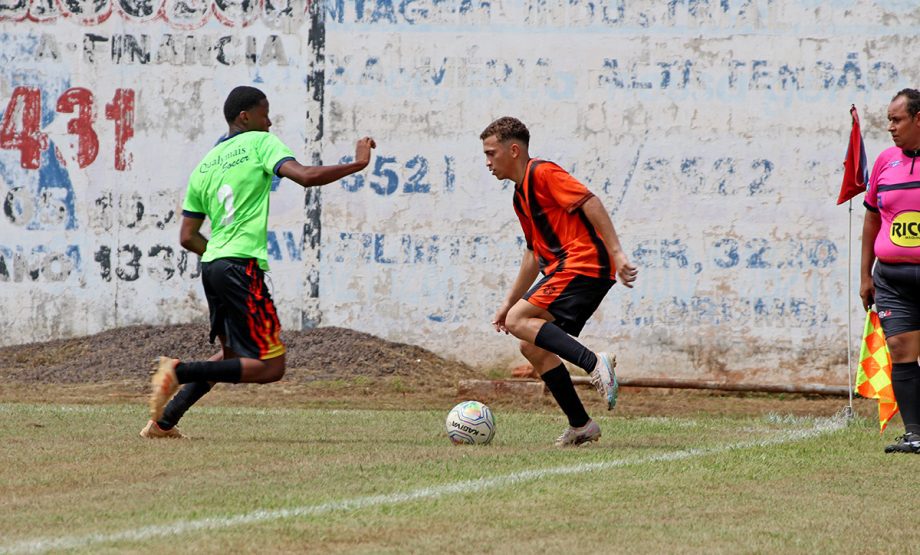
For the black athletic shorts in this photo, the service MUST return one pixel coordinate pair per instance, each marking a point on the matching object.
(571, 298)
(897, 296)
(241, 307)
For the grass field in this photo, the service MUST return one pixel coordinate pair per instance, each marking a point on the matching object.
(268, 480)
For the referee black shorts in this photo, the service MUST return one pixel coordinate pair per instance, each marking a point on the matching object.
(897, 297)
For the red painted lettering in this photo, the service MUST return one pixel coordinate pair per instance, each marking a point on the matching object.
(121, 111)
(82, 126)
(21, 126)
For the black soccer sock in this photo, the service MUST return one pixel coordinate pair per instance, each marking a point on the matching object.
(210, 371)
(560, 385)
(905, 380)
(551, 338)
(187, 396)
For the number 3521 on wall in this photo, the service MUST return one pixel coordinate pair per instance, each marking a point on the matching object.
(21, 126)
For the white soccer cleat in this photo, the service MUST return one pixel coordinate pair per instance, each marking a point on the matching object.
(604, 378)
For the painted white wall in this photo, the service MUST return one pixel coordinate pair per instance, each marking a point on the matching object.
(89, 242)
(713, 131)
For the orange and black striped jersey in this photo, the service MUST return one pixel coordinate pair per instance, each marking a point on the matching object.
(548, 204)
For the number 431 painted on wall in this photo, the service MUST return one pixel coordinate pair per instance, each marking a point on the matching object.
(21, 125)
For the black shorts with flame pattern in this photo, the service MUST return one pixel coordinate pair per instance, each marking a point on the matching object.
(241, 307)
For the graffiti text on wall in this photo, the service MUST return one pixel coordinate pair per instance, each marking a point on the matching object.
(162, 262)
(187, 50)
(673, 15)
(390, 175)
(177, 49)
(545, 76)
(21, 130)
(178, 14)
(40, 263)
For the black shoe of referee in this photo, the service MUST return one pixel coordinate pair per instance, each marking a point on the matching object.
(907, 443)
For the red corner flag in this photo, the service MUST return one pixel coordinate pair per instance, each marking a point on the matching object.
(855, 167)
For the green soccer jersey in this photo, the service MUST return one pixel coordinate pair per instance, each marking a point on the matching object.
(231, 186)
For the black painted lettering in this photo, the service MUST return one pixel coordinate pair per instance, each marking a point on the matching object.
(130, 270)
(104, 257)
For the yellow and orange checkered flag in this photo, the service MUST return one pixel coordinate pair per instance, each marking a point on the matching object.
(873, 377)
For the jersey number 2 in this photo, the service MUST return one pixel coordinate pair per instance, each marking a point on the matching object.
(225, 196)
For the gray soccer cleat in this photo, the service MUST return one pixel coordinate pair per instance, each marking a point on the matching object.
(573, 437)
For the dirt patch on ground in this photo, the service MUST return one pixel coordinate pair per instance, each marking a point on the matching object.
(126, 355)
(331, 367)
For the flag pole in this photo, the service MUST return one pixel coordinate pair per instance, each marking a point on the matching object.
(858, 182)
(848, 411)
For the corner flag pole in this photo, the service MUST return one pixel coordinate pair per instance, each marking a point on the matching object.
(855, 180)
(850, 369)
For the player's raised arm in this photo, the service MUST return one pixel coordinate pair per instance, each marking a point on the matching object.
(312, 176)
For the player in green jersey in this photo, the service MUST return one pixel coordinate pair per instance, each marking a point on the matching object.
(231, 187)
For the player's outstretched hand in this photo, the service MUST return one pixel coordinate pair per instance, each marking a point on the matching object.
(626, 272)
(363, 150)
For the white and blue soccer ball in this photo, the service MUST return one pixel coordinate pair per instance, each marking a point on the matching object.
(470, 422)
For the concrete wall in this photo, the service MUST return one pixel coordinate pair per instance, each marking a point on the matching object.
(108, 105)
(714, 132)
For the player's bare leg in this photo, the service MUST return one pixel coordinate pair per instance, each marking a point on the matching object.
(556, 377)
(535, 325)
(165, 426)
(542, 360)
(229, 368)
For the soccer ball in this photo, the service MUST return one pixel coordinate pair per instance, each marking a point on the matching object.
(470, 422)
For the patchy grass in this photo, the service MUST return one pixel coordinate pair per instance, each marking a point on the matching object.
(388, 481)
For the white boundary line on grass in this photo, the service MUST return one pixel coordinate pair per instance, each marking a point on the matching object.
(41, 545)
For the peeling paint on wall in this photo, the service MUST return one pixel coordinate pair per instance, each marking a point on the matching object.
(105, 107)
(712, 130)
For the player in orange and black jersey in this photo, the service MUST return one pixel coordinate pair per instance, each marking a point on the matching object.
(572, 242)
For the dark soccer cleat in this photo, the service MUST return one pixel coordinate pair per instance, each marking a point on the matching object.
(907, 443)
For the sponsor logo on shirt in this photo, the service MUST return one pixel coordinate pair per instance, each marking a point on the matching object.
(905, 229)
(884, 313)
(894, 163)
